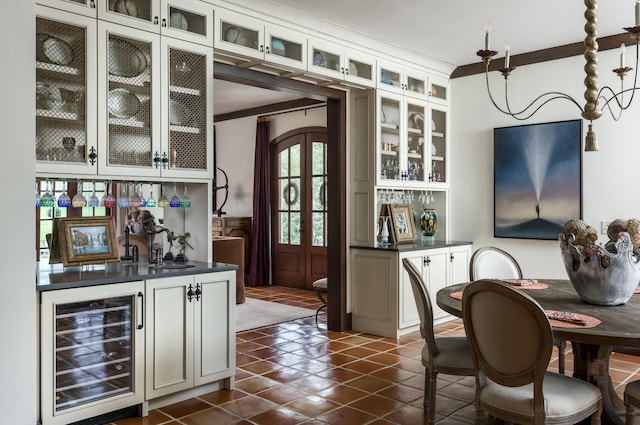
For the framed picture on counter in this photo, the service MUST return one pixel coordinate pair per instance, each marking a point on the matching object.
(403, 229)
(87, 240)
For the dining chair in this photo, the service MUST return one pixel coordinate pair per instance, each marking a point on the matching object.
(490, 262)
(631, 400)
(449, 355)
(511, 344)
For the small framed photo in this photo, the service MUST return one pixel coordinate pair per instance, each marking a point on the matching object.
(87, 240)
(403, 229)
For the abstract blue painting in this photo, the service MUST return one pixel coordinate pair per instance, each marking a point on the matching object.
(537, 179)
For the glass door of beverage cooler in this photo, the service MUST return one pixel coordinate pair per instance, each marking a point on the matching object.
(90, 343)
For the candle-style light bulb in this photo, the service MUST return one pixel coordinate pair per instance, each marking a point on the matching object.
(622, 50)
(507, 50)
(637, 13)
(487, 36)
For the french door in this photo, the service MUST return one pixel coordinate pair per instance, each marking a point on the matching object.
(299, 208)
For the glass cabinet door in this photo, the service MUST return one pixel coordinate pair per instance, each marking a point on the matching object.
(187, 85)
(286, 47)
(64, 90)
(439, 92)
(415, 172)
(128, 101)
(389, 145)
(439, 149)
(187, 20)
(143, 14)
(239, 33)
(82, 7)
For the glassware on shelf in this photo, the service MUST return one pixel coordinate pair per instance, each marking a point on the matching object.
(107, 201)
(79, 199)
(123, 200)
(151, 202)
(93, 200)
(174, 202)
(64, 200)
(185, 202)
(143, 202)
(163, 202)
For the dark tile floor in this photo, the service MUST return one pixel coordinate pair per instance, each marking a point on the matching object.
(296, 373)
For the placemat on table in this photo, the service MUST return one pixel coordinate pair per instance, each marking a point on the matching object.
(589, 321)
(525, 283)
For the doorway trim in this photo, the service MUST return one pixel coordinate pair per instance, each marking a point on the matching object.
(337, 318)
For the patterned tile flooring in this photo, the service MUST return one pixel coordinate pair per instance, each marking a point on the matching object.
(296, 373)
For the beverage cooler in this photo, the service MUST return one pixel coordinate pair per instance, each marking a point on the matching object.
(92, 348)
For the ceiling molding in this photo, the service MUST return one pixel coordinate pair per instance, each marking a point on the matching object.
(268, 109)
(544, 55)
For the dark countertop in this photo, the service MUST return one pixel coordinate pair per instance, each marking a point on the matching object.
(54, 277)
(413, 246)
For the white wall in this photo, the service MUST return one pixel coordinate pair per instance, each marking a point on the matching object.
(18, 302)
(610, 176)
(235, 150)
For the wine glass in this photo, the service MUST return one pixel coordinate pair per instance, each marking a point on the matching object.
(143, 202)
(135, 201)
(163, 202)
(123, 200)
(64, 200)
(93, 199)
(47, 200)
(37, 196)
(151, 202)
(107, 201)
(174, 202)
(185, 202)
(79, 199)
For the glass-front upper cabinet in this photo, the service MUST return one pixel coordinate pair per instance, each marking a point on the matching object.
(402, 141)
(355, 68)
(240, 36)
(128, 100)
(439, 149)
(439, 90)
(153, 106)
(82, 7)
(185, 19)
(65, 91)
(400, 79)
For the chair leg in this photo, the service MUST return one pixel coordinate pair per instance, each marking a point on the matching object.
(562, 346)
(318, 311)
(631, 413)
(323, 300)
(429, 403)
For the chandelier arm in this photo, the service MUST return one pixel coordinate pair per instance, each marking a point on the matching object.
(607, 102)
(518, 115)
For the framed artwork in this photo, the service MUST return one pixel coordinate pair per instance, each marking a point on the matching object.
(87, 240)
(537, 179)
(402, 227)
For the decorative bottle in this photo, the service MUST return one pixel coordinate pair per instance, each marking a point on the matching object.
(384, 232)
(428, 223)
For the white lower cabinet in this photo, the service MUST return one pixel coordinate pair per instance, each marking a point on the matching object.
(190, 332)
(383, 299)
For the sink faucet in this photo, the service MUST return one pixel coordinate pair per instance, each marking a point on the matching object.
(150, 236)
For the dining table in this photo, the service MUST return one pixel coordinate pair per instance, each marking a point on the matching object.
(592, 345)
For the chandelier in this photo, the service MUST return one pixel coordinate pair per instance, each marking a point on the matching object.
(597, 100)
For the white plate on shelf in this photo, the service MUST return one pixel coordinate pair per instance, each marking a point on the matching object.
(318, 59)
(53, 50)
(123, 103)
(125, 59)
(277, 47)
(232, 34)
(179, 113)
(179, 21)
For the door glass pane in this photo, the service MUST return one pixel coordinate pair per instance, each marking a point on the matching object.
(318, 191)
(284, 163)
(318, 228)
(295, 228)
(295, 160)
(318, 158)
(284, 227)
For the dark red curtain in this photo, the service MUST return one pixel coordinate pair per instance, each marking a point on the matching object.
(260, 247)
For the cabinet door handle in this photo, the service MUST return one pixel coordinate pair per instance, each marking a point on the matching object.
(93, 155)
(156, 159)
(164, 160)
(451, 257)
(198, 292)
(164, 22)
(263, 49)
(190, 293)
(427, 261)
(155, 20)
(92, 4)
(141, 298)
